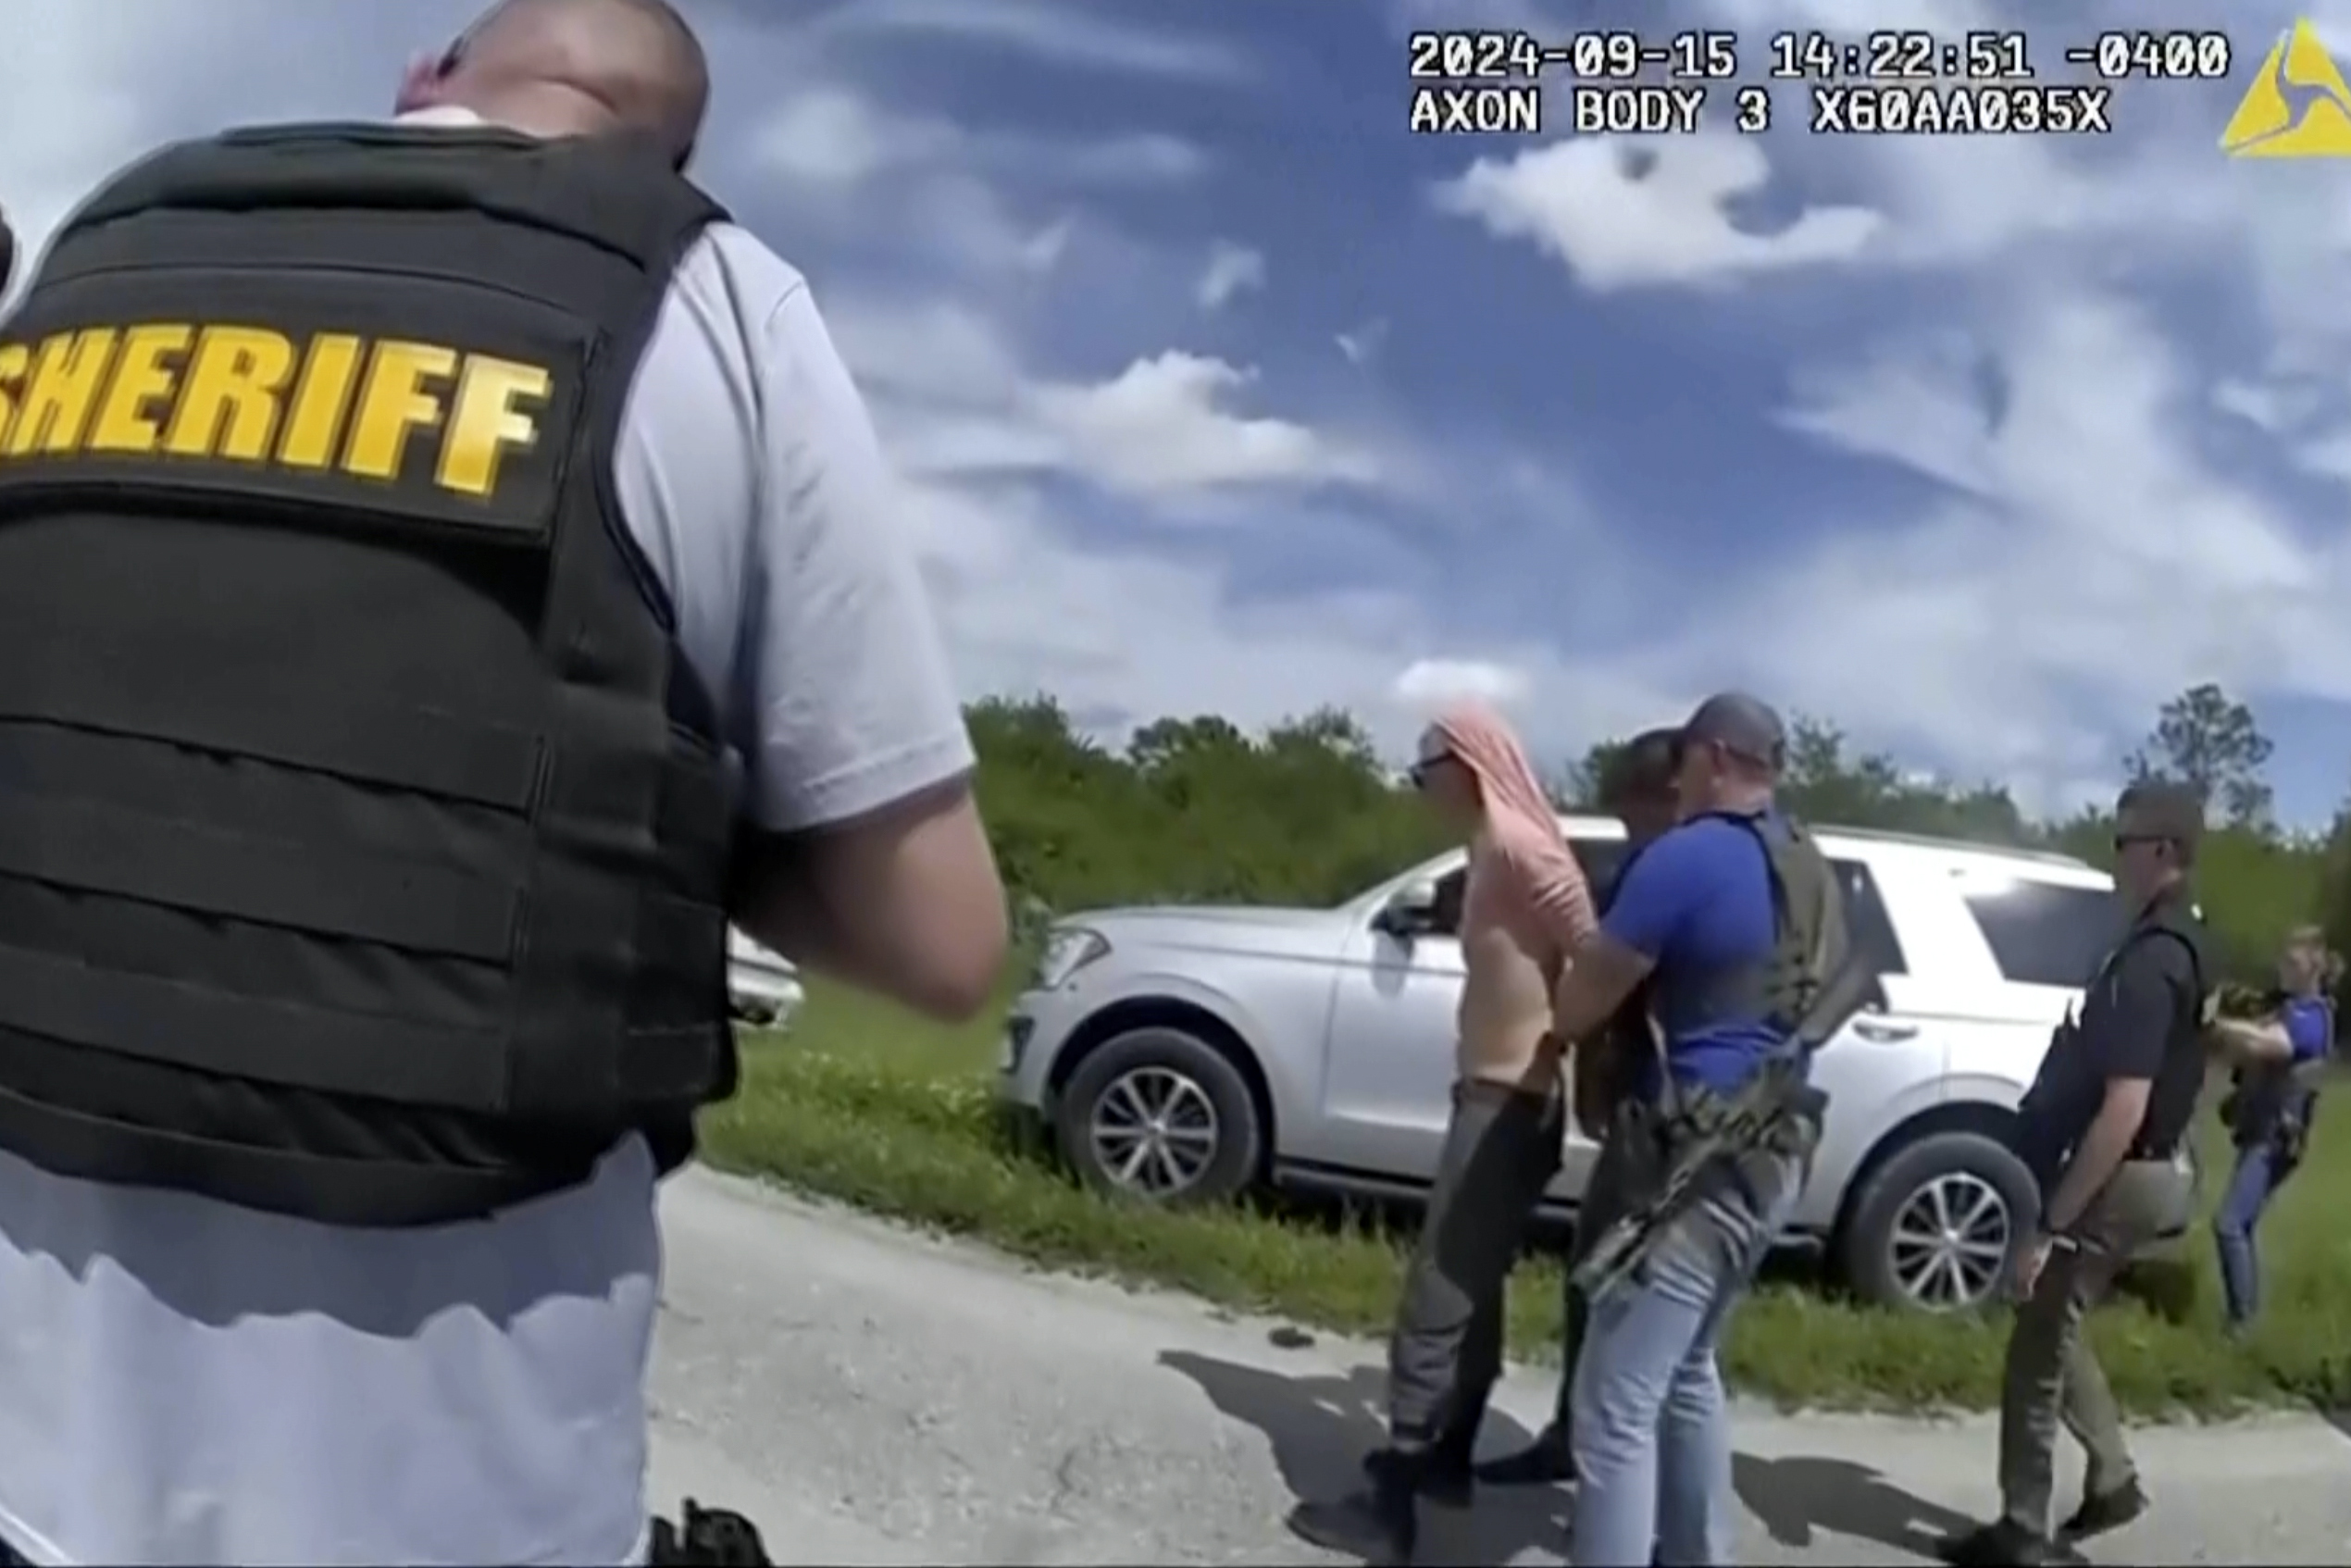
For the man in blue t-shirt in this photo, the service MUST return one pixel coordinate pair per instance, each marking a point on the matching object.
(1650, 1433)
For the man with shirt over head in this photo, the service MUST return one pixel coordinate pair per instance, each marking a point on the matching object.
(2103, 1129)
(1637, 788)
(397, 699)
(1736, 920)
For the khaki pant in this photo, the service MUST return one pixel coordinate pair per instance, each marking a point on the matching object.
(2052, 1376)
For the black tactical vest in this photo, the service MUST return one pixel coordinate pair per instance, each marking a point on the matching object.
(362, 829)
(1811, 947)
(2271, 1102)
(2069, 1089)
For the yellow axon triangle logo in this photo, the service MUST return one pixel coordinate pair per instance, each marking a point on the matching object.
(2298, 108)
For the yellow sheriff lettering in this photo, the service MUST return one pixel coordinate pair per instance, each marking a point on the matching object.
(383, 409)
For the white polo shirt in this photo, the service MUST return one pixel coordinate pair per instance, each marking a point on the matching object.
(185, 1381)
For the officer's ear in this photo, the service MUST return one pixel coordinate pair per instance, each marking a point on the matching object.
(684, 158)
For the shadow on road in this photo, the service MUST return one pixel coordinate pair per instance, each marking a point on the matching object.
(1794, 1497)
(1320, 1428)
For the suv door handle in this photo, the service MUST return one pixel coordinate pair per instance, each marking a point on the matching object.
(1884, 1033)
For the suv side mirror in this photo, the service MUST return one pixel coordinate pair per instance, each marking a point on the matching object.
(1409, 909)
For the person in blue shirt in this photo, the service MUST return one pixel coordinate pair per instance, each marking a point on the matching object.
(2269, 1109)
(1650, 1431)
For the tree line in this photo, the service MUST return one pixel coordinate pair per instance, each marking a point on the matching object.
(1196, 810)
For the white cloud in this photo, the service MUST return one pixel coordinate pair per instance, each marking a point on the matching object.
(1434, 682)
(834, 136)
(1230, 268)
(1914, 403)
(1064, 34)
(1627, 214)
(2097, 557)
(1362, 344)
(2266, 407)
(1162, 428)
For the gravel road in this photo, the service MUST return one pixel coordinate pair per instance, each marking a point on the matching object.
(873, 1397)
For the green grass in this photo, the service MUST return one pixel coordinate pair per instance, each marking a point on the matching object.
(861, 1103)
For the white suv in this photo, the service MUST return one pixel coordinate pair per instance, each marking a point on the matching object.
(1185, 1053)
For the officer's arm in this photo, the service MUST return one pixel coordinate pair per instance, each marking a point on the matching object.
(867, 860)
(2125, 1030)
(1655, 897)
(904, 901)
(2254, 1040)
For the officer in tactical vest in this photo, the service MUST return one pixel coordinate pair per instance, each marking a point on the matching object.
(1638, 789)
(1739, 921)
(2273, 1099)
(2104, 1130)
(445, 575)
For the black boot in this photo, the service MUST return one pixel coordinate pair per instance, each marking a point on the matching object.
(1381, 1524)
(1547, 1460)
(1999, 1545)
(1451, 1476)
(2101, 1511)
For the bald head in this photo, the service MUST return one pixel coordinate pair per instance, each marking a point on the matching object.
(581, 68)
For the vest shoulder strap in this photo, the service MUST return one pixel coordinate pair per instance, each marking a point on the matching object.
(617, 191)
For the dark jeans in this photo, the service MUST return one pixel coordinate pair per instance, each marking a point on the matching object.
(2259, 1173)
(1501, 1149)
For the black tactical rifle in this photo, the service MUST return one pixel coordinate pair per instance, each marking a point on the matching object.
(1777, 1094)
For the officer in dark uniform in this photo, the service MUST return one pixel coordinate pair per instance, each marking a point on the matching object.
(357, 664)
(2104, 1130)
(1638, 789)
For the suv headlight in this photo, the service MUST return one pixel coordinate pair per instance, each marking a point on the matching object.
(1067, 950)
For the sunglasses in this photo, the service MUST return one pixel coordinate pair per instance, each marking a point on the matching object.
(2124, 840)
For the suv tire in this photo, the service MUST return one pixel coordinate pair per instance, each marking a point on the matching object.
(1963, 1184)
(1170, 1090)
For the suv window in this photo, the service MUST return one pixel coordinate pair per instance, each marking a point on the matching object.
(1866, 921)
(2045, 934)
(1445, 915)
(1867, 924)
(1599, 858)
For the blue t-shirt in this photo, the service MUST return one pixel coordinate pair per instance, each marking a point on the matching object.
(1700, 900)
(2310, 1027)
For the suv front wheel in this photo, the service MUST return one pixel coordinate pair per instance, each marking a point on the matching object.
(1933, 1226)
(1159, 1114)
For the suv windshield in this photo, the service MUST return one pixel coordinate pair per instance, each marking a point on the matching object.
(2045, 933)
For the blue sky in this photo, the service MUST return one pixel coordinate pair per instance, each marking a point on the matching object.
(1215, 390)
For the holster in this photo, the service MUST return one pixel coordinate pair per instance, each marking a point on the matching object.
(707, 1538)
